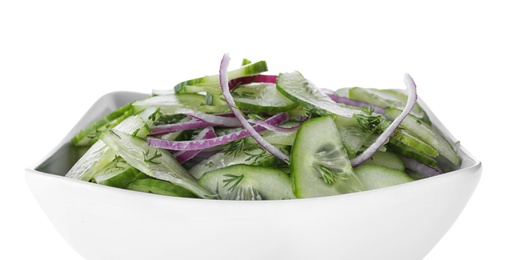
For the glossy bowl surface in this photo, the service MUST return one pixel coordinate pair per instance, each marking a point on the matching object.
(102, 223)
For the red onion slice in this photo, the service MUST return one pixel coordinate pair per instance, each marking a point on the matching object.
(420, 168)
(213, 142)
(252, 79)
(183, 156)
(170, 128)
(382, 139)
(209, 118)
(224, 85)
(355, 103)
(274, 127)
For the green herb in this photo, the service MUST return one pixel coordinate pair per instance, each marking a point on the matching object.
(153, 117)
(367, 121)
(93, 133)
(235, 147)
(232, 181)
(136, 131)
(209, 99)
(209, 164)
(118, 163)
(255, 116)
(169, 119)
(244, 94)
(151, 159)
(256, 156)
(114, 133)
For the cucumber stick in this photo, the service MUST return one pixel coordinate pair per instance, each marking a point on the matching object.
(154, 162)
(319, 162)
(99, 154)
(247, 182)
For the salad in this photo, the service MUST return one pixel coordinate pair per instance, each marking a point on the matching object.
(244, 134)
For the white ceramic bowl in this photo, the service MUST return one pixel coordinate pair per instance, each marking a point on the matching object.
(103, 223)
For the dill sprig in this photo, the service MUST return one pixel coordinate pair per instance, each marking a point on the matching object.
(232, 181)
(118, 164)
(169, 119)
(235, 147)
(367, 121)
(255, 157)
(151, 159)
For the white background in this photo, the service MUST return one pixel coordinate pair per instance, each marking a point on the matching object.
(58, 57)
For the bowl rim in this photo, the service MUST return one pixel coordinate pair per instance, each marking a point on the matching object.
(474, 167)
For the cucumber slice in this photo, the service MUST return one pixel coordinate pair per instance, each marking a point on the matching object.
(428, 134)
(118, 174)
(256, 156)
(90, 134)
(352, 136)
(155, 186)
(154, 162)
(406, 139)
(411, 152)
(386, 159)
(262, 97)
(300, 90)
(246, 182)
(375, 176)
(99, 154)
(387, 98)
(279, 138)
(211, 84)
(319, 162)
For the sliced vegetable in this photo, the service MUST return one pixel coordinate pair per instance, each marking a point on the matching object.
(319, 164)
(161, 187)
(237, 153)
(382, 139)
(171, 128)
(262, 98)
(244, 135)
(118, 173)
(300, 90)
(154, 162)
(427, 134)
(90, 134)
(212, 142)
(252, 79)
(386, 159)
(215, 120)
(386, 98)
(211, 84)
(99, 154)
(224, 84)
(375, 176)
(350, 102)
(183, 156)
(245, 182)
